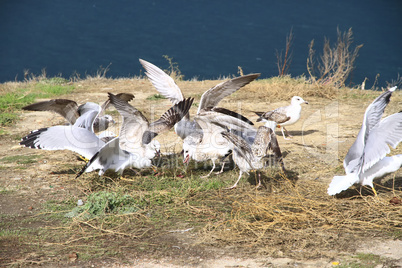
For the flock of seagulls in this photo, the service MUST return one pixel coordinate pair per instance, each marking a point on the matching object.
(213, 134)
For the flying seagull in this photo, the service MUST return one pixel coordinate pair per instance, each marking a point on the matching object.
(366, 158)
(70, 110)
(135, 146)
(283, 116)
(252, 157)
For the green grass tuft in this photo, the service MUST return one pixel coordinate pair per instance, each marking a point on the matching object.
(11, 103)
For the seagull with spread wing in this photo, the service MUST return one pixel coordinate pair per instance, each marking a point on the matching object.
(366, 158)
(70, 110)
(135, 146)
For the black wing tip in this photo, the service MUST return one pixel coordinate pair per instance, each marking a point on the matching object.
(29, 140)
(87, 165)
(233, 114)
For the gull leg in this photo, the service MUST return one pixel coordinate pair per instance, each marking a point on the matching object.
(287, 133)
(374, 191)
(213, 167)
(219, 172)
(235, 185)
(259, 181)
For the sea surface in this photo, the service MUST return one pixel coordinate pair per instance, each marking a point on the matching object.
(207, 39)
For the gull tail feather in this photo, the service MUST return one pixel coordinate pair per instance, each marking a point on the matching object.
(341, 183)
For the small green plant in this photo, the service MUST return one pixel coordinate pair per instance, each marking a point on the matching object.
(104, 203)
(363, 260)
(156, 97)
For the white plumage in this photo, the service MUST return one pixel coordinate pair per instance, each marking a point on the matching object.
(366, 158)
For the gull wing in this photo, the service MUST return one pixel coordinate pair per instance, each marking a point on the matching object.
(242, 148)
(372, 117)
(214, 95)
(123, 96)
(88, 113)
(134, 124)
(163, 83)
(261, 141)
(388, 133)
(279, 116)
(66, 108)
(72, 138)
(167, 120)
(223, 118)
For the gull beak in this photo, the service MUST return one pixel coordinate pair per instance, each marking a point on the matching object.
(306, 102)
(158, 153)
(185, 161)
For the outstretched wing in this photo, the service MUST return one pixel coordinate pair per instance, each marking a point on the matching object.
(66, 108)
(388, 133)
(123, 96)
(72, 138)
(372, 117)
(163, 83)
(214, 95)
(134, 124)
(167, 120)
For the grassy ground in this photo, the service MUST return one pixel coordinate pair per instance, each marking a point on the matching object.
(172, 216)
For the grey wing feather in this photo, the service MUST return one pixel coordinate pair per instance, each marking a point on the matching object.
(279, 116)
(240, 145)
(163, 83)
(372, 117)
(134, 123)
(388, 132)
(261, 141)
(88, 113)
(167, 120)
(71, 138)
(66, 108)
(123, 96)
(214, 95)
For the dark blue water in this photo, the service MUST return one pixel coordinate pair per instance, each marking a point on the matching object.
(208, 39)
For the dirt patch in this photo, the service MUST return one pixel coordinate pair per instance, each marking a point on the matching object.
(211, 228)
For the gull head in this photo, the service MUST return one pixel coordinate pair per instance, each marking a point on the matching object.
(296, 100)
(189, 146)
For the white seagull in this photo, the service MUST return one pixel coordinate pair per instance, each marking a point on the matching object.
(283, 116)
(366, 158)
(135, 146)
(252, 157)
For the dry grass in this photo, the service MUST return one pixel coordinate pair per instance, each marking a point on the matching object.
(301, 221)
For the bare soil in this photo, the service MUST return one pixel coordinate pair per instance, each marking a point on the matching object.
(321, 138)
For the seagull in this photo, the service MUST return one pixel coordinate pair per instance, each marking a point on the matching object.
(211, 145)
(167, 87)
(79, 137)
(70, 110)
(283, 116)
(135, 146)
(252, 157)
(366, 158)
